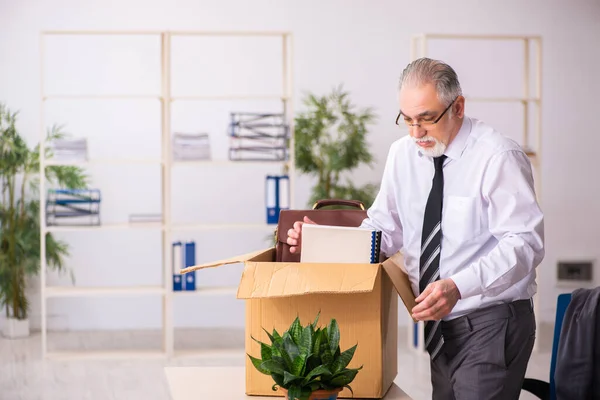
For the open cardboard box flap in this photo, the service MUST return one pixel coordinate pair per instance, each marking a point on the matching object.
(264, 278)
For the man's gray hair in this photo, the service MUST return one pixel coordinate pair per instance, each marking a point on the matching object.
(425, 70)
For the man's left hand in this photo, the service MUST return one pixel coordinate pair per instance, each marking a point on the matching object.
(436, 301)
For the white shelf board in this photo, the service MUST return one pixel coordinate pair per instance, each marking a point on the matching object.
(133, 225)
(210, 353)
(227, 162)
(105, 354)
(113, 161)
(66, 291)
(231, 97)
(201, 227)
(100, 97)
(502, 99)
(208, 291)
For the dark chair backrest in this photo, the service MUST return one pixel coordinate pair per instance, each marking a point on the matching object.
(561, 306)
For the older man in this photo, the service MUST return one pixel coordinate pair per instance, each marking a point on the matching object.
(457, 198)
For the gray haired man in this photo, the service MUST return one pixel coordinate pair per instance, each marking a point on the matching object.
(458, 199)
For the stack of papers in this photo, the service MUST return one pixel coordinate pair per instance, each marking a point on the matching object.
(339, 244)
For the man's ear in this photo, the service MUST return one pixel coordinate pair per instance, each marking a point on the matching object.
(459, 107)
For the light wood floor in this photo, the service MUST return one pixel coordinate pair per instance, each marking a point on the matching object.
(25, 376)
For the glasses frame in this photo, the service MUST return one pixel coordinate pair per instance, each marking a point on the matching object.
(429, 123)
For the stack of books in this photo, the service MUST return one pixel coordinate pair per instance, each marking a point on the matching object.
(69, 149)
(340, 244)
(191, 146)
(258, 137)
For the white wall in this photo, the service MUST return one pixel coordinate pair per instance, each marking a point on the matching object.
(363, 44)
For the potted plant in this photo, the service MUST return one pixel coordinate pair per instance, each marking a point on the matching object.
(305, 362)
(19, 219)
(330, 142)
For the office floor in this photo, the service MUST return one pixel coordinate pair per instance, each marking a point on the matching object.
(24, 376)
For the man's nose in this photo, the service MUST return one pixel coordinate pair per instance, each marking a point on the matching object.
(416, 131)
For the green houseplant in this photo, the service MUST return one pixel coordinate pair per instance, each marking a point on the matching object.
(305, 362)
(20, 218)
(331, 141)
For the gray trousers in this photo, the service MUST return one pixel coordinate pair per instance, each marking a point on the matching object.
(485, 353)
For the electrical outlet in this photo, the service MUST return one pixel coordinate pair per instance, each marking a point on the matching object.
(580, 271)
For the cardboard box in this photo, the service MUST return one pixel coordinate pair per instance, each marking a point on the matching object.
(363, 298)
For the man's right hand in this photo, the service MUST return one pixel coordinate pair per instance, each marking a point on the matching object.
(295, 234)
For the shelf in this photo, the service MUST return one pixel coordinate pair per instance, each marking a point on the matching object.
(114, 161)
(100, 97)
(105, 355)
(233, 97)
(210, 353)
(201, 227)
(208, 291)
(503, 99)
(136, 225)
(227, 162)
(484, 37)
(66, 291)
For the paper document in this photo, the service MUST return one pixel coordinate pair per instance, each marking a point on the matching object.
(339, 244)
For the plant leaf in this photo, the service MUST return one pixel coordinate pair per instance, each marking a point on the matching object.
(306, 341)
(295, 330)
(258, 365)
(334, 336)
(273, 367)
(320, 370)
(344, 377)
(290, 378)
(290, 346)
(343, 360)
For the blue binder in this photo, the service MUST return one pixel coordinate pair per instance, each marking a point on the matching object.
(277, 196)
(176, 266)
(190, 260)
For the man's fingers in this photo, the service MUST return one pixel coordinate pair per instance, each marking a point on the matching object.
(309, 221)
(424, 294)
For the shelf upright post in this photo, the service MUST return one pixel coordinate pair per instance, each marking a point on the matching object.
(166, 190)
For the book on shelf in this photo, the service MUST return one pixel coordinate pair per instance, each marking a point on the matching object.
(258, 137)
(339, 244)
(69, 149)
(191, 146)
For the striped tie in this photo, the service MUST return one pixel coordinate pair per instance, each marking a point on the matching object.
(430, 253)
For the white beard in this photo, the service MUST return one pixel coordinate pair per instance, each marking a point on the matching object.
(437, 150)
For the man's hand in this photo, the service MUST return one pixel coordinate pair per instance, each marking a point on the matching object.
(436, 301)
(295, 234)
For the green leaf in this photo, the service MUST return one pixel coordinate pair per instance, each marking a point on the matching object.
(306, 341)
(265, 349)
(334, 336)
(258, 365)
(273, 367)
(314, 324)
(295, 330)
(278, 379)
(320, 370)
(294, 392)
(343, 359)
(290, 378)
(298, 365)
(290, 346)
(344, 378)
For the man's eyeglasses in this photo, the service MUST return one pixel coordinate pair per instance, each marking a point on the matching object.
(425, 124)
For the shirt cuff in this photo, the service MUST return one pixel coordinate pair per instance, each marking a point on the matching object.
(467, 283)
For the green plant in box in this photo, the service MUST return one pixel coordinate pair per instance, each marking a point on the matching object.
(305, 361)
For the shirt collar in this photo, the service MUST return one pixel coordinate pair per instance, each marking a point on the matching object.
(458, 144)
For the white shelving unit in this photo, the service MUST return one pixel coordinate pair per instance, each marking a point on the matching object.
(419, 48)
(167, 227)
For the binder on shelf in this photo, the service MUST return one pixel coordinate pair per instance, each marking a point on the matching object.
(277, 196)
(72, 207)
(258, 137)
(190, 261)
(340, 244)
(177, 264)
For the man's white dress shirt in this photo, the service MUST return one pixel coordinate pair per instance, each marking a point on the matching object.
(492, 226)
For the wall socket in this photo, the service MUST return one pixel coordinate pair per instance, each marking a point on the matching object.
(581, 271)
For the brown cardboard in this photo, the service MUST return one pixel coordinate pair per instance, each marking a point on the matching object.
(363, 298)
